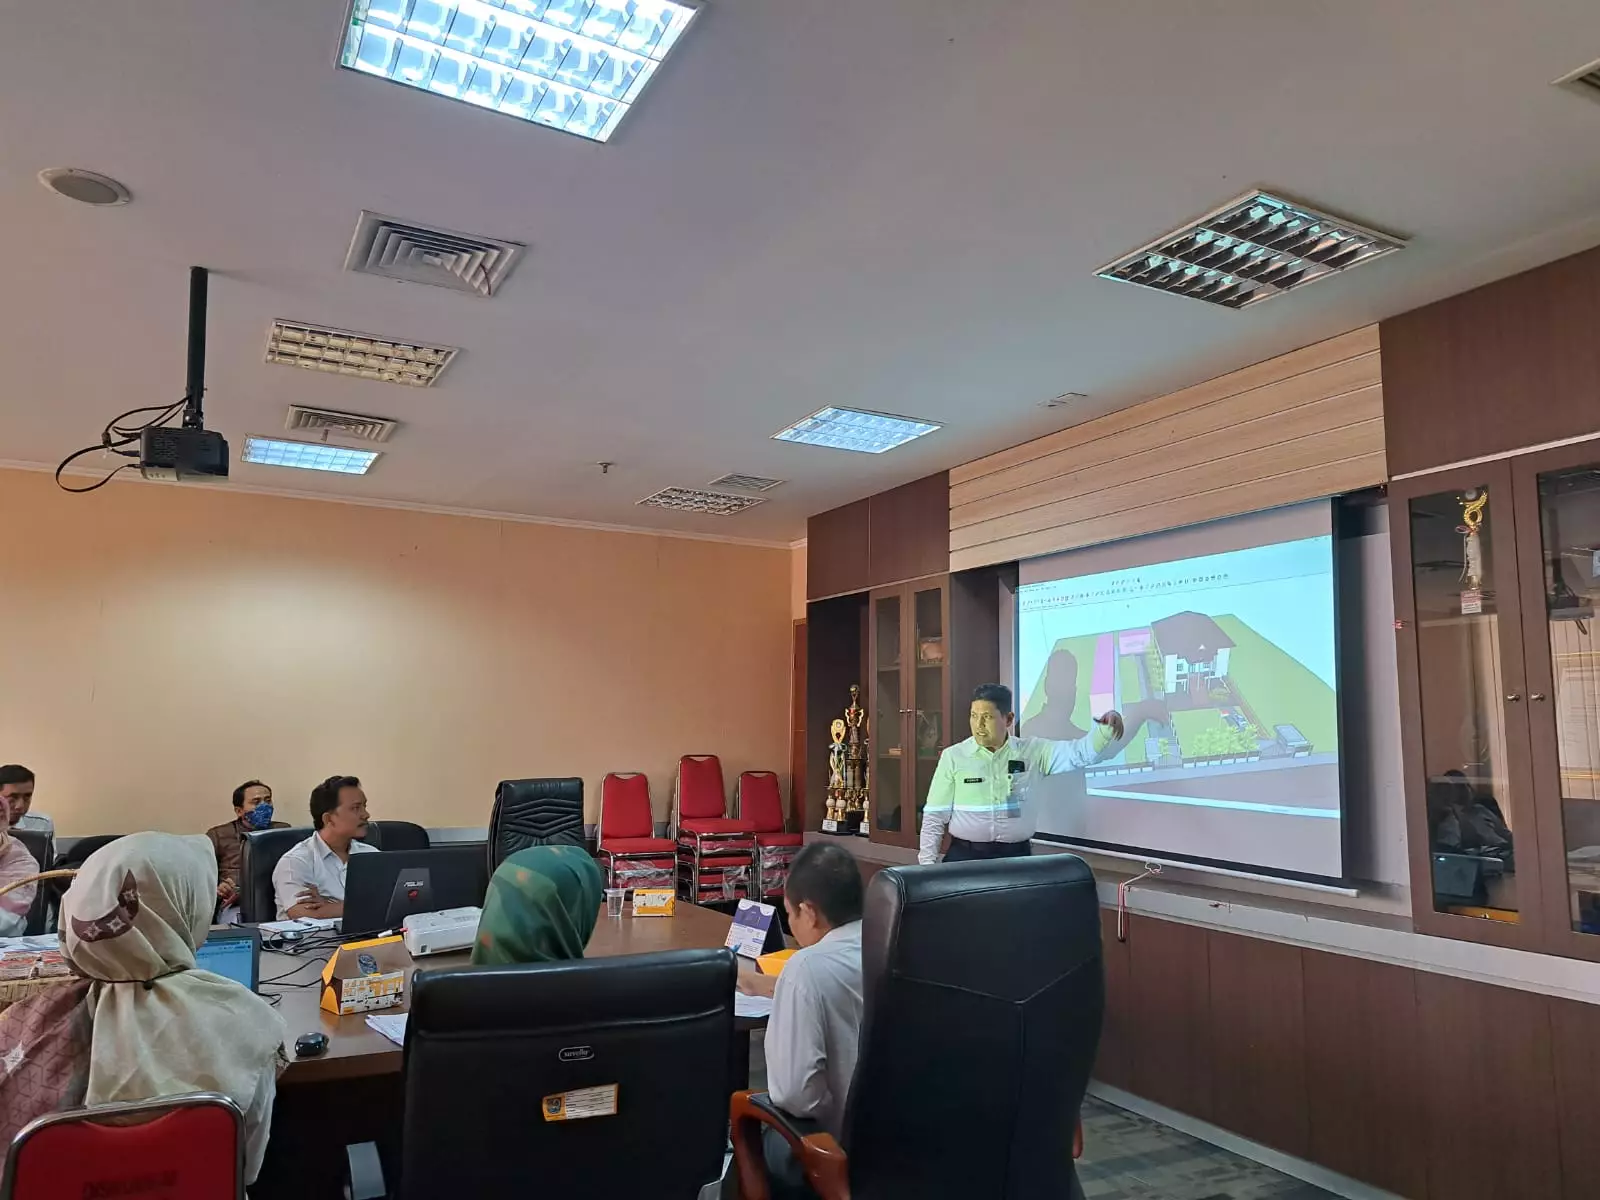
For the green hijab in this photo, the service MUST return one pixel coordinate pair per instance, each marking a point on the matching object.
(541, 907)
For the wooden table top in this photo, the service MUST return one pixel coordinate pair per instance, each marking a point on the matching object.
(355, 1050)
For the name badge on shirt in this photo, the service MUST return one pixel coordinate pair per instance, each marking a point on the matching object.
(973, 779)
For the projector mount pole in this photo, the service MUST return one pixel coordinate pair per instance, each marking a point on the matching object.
(194, 393)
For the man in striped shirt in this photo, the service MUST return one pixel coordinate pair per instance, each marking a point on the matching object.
(980, 788)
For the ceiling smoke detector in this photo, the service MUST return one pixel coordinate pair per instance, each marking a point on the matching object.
(699, 500)
(462, 262)
(362, 355)
(86, 187)
(745, 483)
(1585, 82)
(348, 425)
(1251, 249)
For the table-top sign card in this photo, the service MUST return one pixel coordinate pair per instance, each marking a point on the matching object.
(747, 936)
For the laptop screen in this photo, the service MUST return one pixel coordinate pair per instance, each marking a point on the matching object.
(232, 955)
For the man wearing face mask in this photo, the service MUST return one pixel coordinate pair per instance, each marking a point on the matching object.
(252, 810)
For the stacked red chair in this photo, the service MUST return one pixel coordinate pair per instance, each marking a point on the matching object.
(629, 852)
(715, 851)
(758, 799)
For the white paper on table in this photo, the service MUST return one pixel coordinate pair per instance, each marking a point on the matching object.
(751, 1006)
(391, 1025)
(300, 925)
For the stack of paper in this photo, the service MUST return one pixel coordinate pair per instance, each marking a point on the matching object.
(391, 1025)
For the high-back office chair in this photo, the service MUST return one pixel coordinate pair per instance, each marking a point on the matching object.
(118, 1149)
(643, 1039)
(758, 799)
(260, 851)
(715, 851)
(398, 835)
(534, 812)
(42, 845)
(626, 844)
(71, 858)
(984, 993)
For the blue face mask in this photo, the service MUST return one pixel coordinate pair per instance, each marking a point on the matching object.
(260, 817)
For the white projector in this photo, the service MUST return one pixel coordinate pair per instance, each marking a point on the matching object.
(441, 932)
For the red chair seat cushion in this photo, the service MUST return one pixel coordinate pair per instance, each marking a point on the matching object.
(644, 845)
(715, 825)
(780, 839)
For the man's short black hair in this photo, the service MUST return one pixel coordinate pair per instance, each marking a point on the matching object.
(238, 792)
(997, 694)
(15, 773)
(828, 877)
(325, 796)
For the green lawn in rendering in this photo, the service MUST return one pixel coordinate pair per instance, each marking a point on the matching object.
(1279, 690)
(1082, 649)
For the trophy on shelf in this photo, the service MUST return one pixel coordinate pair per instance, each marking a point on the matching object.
(847, 770)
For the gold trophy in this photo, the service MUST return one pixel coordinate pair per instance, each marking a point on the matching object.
(846, 809)
(836, 777)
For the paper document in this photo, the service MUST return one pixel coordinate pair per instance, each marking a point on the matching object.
(751, 1006)
(38, 942)
(391, 1025)
(300, 925)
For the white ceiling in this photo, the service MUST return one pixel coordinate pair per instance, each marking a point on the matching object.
(894, 204)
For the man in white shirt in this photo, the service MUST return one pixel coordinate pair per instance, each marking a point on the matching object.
(309, 879)
(16, 792)
(980, 787)
(815, 1028)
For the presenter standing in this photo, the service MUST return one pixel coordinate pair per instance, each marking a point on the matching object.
(980, 788)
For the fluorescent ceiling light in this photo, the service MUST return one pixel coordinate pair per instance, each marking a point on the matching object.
(698, 500)
(850, 429)
(341, 352)
(1252, 248)
(308, 456)
(576, 65)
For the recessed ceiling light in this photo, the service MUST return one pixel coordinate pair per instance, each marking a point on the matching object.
(852, 429)
(86, 187)
(1252, 248)
(308, 456)
(575, 65)
(698, 500)
(363, 355)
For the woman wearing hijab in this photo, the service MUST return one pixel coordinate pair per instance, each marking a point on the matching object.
(15, 863)
(141, 1022)
(541, 907)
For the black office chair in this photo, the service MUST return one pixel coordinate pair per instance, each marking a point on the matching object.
(984, 993)
(42, 846)
(490, 1050)
(397, 835)
(260, 851)
(534, 812)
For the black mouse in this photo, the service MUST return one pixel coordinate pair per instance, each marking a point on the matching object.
(310, 1045)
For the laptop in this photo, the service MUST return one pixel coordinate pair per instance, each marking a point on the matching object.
(382, 890)
(233, 952)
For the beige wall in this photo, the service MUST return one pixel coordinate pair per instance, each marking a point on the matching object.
(161, 644)
(797, 583)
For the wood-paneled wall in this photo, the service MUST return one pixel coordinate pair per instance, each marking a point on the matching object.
(1426, 1085)
(1296, 427)
(889, 538)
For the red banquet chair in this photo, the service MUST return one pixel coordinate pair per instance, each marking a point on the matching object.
(758, 799)
(715, 851)
(629, 852)
(188, 1147)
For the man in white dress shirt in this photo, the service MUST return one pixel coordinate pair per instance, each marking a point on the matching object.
(815, 1028)
(309, 879)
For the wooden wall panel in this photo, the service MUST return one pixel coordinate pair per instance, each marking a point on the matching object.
(908, 531)
(1169, 1006)
(1300, 426)
(1489, 1100)
(1364, 1072)
(1113, 1063)
(1575, 1028)
(1509, 365)
(797, 731)
(836, 551)
(1258, 1035)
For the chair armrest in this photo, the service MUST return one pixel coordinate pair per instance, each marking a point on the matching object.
(820, 1156)
(364, 1172)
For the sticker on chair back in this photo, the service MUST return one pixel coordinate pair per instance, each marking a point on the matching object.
(581, 1104)
(575, 1053)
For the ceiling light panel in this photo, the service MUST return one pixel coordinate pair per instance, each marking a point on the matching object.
(1251, 249)
(851, 429)
(699, 500)
(308, 456)
(574, 65)
(362, 355)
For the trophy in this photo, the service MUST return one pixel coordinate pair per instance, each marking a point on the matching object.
(1473, 502)
(847, 770)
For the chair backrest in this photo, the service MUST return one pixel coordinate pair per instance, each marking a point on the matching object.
(42, 845)
(259, 852)
(534, 812)
(998, 964)
(191, 1147)
(699, 792)
(625, 806)
(398, 835)
(488, 1049)
(759, 799)
(74, 855)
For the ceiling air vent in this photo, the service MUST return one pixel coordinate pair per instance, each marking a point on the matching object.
(463, 262)
(698, 500)
(1585, 81)
(349, 425)
(746, 483)
(364, 355)
(1251, 249)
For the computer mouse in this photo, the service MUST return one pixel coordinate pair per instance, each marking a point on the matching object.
(310, 1045)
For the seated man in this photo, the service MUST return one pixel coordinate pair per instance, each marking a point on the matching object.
(309, 880)
(815, 1026)
(16, 789)
(252, 809)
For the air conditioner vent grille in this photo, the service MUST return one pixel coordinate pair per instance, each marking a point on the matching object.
(361, 355)
(699, 500)
(745, 483)
(346, 425)
(463, 262)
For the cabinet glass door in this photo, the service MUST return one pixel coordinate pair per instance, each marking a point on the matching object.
(931, 726)
(887, 750)
(1479, 818)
